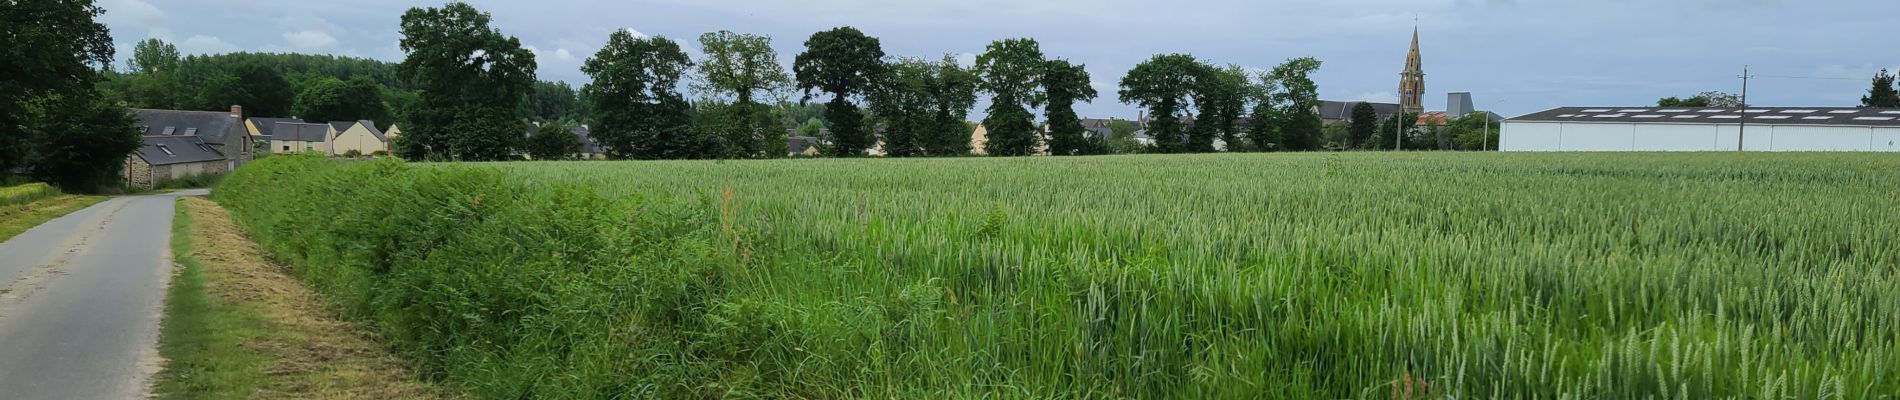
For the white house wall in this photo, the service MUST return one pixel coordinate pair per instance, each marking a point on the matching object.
(1531, 136)
(1664, 137)
(1598, 137)
(1583, 136)
(1886, 139)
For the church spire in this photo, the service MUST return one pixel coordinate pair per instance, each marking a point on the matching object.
(1412, 81)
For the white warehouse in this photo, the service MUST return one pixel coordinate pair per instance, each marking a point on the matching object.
(1704, 129)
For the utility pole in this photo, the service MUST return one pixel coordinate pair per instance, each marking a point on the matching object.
(1741, 131)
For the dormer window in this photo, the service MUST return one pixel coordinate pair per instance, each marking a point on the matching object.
(169, 130)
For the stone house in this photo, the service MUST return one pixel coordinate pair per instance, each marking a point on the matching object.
(163, 158)
(223, 132)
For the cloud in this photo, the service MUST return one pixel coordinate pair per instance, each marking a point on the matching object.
(966, 59)
(201, 44)
(635, 33)
(310, 40)
(561, 54)
(1377, 97)
(136, 12)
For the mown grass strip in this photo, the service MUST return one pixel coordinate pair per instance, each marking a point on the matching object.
(18, 218)
(201, 340)
(237, 327)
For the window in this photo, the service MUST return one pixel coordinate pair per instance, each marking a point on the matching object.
(167, 150)
(1843, 111)
(169, 130)
(1725, 116)
(191, 131)
(1710, 111)
(1634, 110)
(1755, 111)
(1649, 116)
(1818, 118)
(286, 148)
(1597, 110)
(1685, 116)
(1673, 111)
(1798, 111)
(1774, 117)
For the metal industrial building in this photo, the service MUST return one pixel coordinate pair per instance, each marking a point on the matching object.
(1704, 129)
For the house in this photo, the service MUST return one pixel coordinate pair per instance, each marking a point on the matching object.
(1704, 129)
(263, 126)
(590, 148)
(161, 159)
(224, 132)
(298, 137)
(1341, 111)
(360, 137)
(392, 132)
(801, 146)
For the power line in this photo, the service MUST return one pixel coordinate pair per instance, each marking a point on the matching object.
(1808, 77)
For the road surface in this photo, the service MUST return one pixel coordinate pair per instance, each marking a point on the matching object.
(80, 298)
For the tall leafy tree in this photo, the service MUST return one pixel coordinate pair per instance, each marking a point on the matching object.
(1692, 101)
(331, 99)
(1364, 120)
(152, 56)
(472, 79)
(1162, 85)
(1011, 71)
(636, 102)
(82, 140)
(846, 64)
(51, 48)
(902, 103)
(1295, 99)
(953, 94)
(743, 67)
(1221, 95)
(1883, 94)
(550, 101)
(1066, 83)
(554, 140)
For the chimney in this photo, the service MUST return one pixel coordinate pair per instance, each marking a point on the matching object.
(237, 111)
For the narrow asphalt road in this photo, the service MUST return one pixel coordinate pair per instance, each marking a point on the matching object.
(80, 298)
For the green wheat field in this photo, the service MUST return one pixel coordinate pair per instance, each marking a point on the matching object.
(1349, 275)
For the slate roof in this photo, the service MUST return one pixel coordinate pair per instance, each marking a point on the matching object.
(1342, 110)
(798, 144)
(342, 126)
(1820, 116)
(212, 127)
(588, 145)
(300, 132)
(168, 150)
(266, 125)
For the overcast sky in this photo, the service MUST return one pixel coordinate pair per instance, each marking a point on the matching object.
(1521, 55)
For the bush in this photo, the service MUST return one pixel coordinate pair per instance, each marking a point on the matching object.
(27, 193)
(510, 290)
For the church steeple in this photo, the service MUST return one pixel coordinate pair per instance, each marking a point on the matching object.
(1412, 81)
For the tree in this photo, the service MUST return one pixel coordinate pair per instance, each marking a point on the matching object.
(82, 140)
(1011, 71)
(555, 140)
(1695, 101)
(153, 56)
(639, 112)
(550, 101)
(1162, 84)
(1221, 94)
(1883, 94)
(845, 63)
(1121, 137)
(902, 103)
(472, 80)
(953, 94)
(331, 99)
(1294, 98)
(1404, 125)
(743, 67)
(1364, 120)
(1473, 132)
(1064, 84)
(1704, 99)
(51, 47)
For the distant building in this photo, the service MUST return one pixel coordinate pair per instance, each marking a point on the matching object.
(1704, 129)
(298, 137)
(177, 144)
(360, 137)
(1412, 81)
(1341, 111)
(224, 132)
(804, 146)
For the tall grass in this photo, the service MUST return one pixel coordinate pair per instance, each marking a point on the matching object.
(26, 193)
(1219, 276)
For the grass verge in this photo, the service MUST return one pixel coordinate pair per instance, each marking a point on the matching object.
(19, 218)
(237, 327)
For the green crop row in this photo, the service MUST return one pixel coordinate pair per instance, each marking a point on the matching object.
(1218, 276)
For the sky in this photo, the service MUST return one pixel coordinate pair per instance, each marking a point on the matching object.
(1515, 56)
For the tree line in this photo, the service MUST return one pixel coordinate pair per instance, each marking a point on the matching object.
(56, 126)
